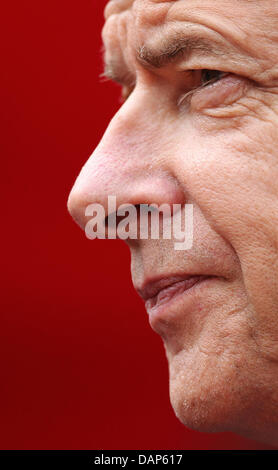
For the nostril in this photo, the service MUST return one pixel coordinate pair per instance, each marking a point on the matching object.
(123, 223)
(116, 218)
(113, 219)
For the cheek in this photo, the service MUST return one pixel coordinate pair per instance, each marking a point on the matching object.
(232, 175)
(232, 179)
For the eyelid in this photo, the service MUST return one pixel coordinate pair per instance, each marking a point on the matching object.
(215, 79)
(203, 85)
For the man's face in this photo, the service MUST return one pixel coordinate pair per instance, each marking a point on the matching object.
(178, 139)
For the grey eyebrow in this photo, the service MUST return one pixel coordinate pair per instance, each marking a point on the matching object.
(117, 73)
(175, 48)
(116, 70)
(158, 53)
(170, 51)
(110, 72)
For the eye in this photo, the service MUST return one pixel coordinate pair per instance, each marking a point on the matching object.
(211, 76)
(203, 78)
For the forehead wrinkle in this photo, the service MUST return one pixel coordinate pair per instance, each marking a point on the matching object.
(117, 48)
(116, 7)
(167, 46)
(226, 28)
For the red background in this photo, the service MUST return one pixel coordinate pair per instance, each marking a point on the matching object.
(80, 366)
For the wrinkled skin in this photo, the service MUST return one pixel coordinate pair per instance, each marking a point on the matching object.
(218, 149)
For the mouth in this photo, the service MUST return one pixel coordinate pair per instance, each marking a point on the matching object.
(159, 294)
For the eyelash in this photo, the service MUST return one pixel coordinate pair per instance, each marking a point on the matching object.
(207, 77)
(211, 76)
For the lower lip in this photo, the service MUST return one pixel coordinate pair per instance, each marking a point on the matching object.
(162, 305)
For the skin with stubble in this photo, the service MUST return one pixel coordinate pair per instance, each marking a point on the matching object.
(199, 125)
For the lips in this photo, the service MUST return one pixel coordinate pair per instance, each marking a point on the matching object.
(160, 292)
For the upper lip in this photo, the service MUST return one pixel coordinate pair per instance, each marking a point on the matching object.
(152, 287)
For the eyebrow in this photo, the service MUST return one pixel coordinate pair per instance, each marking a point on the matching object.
(118, 73)
(176, 48)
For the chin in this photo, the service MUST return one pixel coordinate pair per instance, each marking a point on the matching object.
(214, 396)
(202, 410)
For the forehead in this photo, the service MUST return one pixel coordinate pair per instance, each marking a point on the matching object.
(145, 11)
(144, 17)
(131, 23)
(248, 27)
(156, 10)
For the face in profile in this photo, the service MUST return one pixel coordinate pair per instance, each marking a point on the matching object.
(199, 125)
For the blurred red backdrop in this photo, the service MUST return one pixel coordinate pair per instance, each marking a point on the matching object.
(80, 369)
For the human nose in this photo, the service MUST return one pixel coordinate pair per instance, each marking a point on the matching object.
(129, 163)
